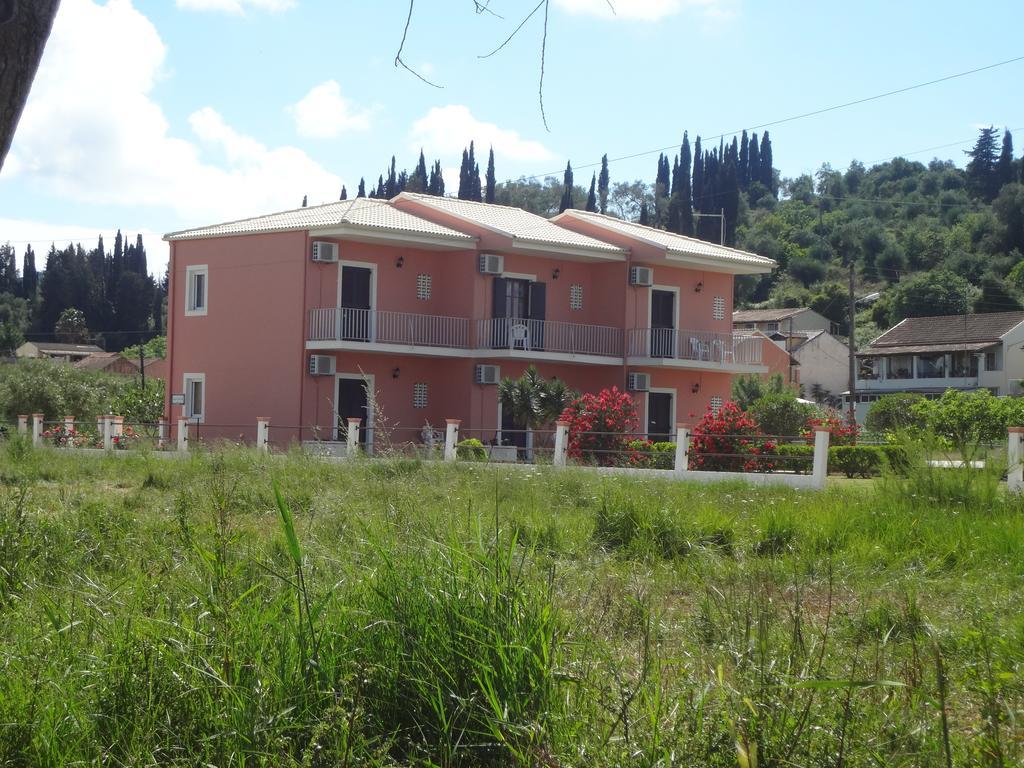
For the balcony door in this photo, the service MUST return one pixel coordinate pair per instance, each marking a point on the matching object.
(659, 416)
(518, 311)
(353, 402)
(356, 297)
(663, 323)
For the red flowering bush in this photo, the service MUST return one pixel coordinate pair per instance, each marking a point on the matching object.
(841, 431)
(599, 426)
(730, 441)
(62, 437)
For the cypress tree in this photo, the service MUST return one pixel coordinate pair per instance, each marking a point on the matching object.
(698, 181)
(567, 201)
(491, 181)
(391, 184)
(742, 167)
(730, 196)
(304, 201)
(465, 187)
(685, 194)
(8, 269)
(602, 185)
(418, 182)
(478, 194)
(1006, 172)
(29, 276)
(982, 181)
(592, 195)
(753, 162)
(645, 214)
(662, 188)
(674, 202)
(436, 185)
(767, 172)
(140, 257)
(361, 190)
(379, 192)
(344, 193)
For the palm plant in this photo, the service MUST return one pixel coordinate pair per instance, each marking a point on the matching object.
(532, 401)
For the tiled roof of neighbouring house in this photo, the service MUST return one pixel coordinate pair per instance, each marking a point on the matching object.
(766, 315)
(948, 330)
(97, 361)
(512, 222)
(670, 241)
(358, 212)
(47, 346)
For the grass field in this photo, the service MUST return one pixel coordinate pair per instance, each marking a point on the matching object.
(164, 611)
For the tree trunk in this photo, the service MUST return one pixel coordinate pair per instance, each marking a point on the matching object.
(24, 28)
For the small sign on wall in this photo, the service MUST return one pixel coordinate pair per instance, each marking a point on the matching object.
(177, 399)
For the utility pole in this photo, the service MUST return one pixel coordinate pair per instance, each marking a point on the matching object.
(853, 351)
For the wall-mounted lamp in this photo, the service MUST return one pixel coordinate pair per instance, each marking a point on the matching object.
(695, 388)
(555, 273)
(400, 262)
(395, 372)
(699, 286)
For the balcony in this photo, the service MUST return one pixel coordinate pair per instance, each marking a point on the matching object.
(398, 332)
(548, 339)
(668, 347)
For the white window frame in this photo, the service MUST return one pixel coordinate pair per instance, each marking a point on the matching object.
(372, 266)
(675, 308)
(721, 404)
(190, 272)
(188, 410)
(714, 310)
(426, 394)
(577, 287)
(647, 409)
(424, 286)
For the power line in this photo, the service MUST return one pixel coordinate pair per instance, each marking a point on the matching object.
(801, 116)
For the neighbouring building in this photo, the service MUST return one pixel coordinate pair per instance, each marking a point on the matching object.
(822, 359)
(775, 359)
(408, 312)
(108, 362)
(65, 353)
(929, 355)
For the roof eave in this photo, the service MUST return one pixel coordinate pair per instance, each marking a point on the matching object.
(721, 265)
(389, 233)
(519, 243)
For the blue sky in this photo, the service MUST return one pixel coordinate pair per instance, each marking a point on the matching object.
(158, 115)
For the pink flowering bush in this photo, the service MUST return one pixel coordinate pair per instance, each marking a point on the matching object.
(730, 441)
(599, 427)
(841, 431)
(62, 437)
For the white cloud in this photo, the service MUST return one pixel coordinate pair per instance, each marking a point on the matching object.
(646, 10)
(447, 130)
(324, 113)
(235, 6)
(68, 143)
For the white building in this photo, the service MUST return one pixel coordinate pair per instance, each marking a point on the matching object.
(929, 355)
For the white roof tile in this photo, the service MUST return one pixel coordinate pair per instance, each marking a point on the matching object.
(358, 212)
(672, 243)
(512, 222)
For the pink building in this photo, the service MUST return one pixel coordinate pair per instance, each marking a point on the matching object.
(410, 310)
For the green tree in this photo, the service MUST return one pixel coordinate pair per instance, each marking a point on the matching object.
(1006, 171)
(71, 327)
(750, 387)
(982, 181)
(781, 414)
(895, 412)
(592, 195)
(435, 186)
(966, 419)
(602, 185)
(532, 401)
(489, 196)
(685, 193)
(344, 193)
(29, 275)
(361, 191)
(13, 323)
(567, 190)
(767, 172)
(994, 297)
(930, 293)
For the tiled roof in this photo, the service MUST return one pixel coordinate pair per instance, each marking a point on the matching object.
(766, 315)
(671, 242)
(358, 212)
(512, 222)
(97, 361)
(949, 330)
(922, 349)
(47, 346)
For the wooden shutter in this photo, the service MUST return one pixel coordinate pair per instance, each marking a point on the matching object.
(538, 296)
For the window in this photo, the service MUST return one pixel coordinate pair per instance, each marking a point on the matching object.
(419, 395)
(718, 308)
(195, 396)
(990, 362)
(771, 326)
(196, 279)
(423, 285)
(576, 296)
(716, 405)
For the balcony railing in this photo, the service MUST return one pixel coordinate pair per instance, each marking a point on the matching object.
(549, 336)
(701, 346)
(386, 327)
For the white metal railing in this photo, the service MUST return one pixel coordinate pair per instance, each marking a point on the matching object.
(548, 336)
(694, 345)
(386, 327)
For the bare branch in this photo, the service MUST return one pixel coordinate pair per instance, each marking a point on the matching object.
(543, 50)
(516, 31)
(484, 7)
(611, 6)
(398, 56)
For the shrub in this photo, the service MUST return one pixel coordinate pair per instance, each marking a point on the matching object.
(660, 455)
(854, 460)
(895, 412)
(730, 441)
(841, 431)
(599, 425)
(967, 419)
(781, 414)
(796, 458)
(471, 450)
(62, 437)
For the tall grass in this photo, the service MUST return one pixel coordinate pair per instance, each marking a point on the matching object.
(189, 612)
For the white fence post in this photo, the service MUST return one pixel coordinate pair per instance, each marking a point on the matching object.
(183, 435)
(352, 436)
(561, 443)
(682, 448)
(37, 428)
(451, 437)
(819, 472)
(1014, 468)
(162, 433)
(117, 425)
(22, 424)
(262, 432)
(107, 429)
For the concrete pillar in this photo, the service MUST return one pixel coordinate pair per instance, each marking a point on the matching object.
(262, 432)
(682, 448)
(561, 443)
(37, 428)
(451, 437)
(819, 472)
(183, 435)
(1014, 455)
(352, 436)
(107, 430)
(117, 424)
(69, 423)
(163, 432)
(22, 424)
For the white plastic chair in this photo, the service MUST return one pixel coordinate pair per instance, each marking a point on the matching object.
(519, 336)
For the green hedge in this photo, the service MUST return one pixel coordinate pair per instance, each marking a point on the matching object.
(866, 460)
(796, 458)
(471, 450)
(654, 455)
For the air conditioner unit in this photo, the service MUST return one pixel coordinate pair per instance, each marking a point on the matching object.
(321, 365)
(638, 382)
(642, 276)
(491, 264)
(487, 374)
(325, 253)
